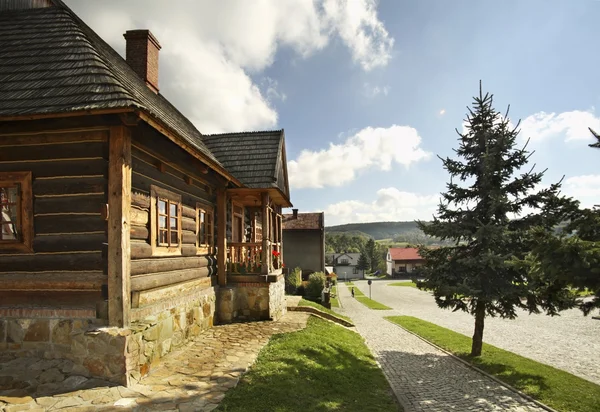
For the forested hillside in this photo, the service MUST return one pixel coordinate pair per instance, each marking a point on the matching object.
(376, 230)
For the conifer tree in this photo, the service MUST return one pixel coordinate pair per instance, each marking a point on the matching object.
(372, 254)
(363, 261)
(572, 257)
(481, 212)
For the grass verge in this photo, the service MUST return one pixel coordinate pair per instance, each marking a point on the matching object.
(321, 368)
(553, 387)
(335, 303)
(409, 284)
(370, 303)
(304, 302)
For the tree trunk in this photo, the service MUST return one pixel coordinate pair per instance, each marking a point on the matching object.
(478, 334)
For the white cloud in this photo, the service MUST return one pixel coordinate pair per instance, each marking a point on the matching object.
(370, 148)
(373, 91)
(585, 188)
(270, 87)
(390, 204)
(209, 48)
(572, 125)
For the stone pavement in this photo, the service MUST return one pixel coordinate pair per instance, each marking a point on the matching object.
(194, 378)
(568, 342)
(423, 377)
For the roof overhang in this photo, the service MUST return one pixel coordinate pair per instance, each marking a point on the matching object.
(252, 197)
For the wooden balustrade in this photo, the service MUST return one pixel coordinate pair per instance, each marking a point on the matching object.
(246, 255)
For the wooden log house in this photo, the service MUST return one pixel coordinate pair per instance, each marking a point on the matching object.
(120, 220)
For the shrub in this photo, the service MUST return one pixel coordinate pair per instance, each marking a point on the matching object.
(293, 281)
(316, 283)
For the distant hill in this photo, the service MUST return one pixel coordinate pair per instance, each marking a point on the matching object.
(376, 230)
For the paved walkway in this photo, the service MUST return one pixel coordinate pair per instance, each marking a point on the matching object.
(423, 377)
(195, 378)
(569, 342)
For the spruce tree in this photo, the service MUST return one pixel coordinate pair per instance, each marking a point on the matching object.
(372, 254)
(571, 258)
(363, 261)
(480, 213)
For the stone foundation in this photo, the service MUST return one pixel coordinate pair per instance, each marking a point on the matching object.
(37, 332)
(120, 355)
(262, 298)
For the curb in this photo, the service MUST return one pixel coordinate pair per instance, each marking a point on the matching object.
(324, 315)
(464, 362)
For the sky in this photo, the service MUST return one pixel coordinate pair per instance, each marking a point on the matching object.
(370, 93)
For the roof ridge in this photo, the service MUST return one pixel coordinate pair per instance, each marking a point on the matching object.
(247, 132)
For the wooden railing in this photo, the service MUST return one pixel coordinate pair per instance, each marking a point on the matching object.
(244, 257)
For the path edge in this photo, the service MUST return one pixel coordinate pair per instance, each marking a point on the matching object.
(469, 365)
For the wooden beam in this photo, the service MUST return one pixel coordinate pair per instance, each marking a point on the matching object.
(119, 204)
(221, 239)
(266, 244)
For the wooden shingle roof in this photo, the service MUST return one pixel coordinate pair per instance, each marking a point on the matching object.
(51, 62)
(256, 159)
(303, 221)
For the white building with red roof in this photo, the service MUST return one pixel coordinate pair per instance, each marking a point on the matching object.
(401, 261)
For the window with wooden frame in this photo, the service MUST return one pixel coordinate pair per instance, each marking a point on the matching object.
(16, 211)
(204, 228)
(165, 221)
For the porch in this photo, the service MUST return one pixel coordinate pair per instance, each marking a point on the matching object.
(250, 255)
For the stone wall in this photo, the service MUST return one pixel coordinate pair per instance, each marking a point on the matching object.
(277, 302)
(45, 337)
(247, 301)
(120, 355)
(157, 335)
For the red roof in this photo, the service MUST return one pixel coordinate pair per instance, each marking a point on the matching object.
(405, 253)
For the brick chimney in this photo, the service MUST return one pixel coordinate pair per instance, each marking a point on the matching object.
(295, 212)
(141, 54)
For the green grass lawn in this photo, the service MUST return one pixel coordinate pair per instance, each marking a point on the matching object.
(304, 302)
(321, 368)
(409, 284)
(370, 303)
(335, 303)
(553, 387)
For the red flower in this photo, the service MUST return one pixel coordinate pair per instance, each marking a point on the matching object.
(276, 253)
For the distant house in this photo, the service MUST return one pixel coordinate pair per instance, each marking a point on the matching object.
(344, 265)
(304, 241)
(402, 261)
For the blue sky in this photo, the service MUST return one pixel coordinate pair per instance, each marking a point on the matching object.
(370, 92)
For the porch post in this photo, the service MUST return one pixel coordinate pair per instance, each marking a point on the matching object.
(221, 238)
(119, 204)
(266, 243)
(280, 236)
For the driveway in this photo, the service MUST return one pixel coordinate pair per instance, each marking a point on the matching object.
(569, 342)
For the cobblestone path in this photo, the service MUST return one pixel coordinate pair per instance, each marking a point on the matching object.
(569, 342)
(423, 377)
(194, 378)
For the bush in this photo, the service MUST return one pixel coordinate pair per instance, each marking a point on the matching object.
(316, 283)
(293, 281)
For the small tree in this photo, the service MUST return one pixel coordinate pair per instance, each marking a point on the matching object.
(372, 253)
(293, 281)
(480, 273)
(316, 284)
(363, 261)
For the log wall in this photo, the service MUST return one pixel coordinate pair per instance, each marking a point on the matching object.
(181, 174)
(69, 182)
